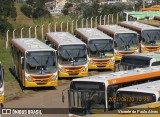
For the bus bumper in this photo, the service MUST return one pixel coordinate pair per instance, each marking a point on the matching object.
(2, 100)
(81, 74)
(109, 66)
(53, 83)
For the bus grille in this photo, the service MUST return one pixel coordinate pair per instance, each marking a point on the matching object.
(100, 62)
(126, 53)
(152, 48)
(41, 78)
(74, 70)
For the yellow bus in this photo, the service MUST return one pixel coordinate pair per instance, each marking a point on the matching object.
(144, 110)
(72, 54)
(33, 63)
(1, 86)
(125, 40)
(149, 35)
(100, 48)
(98, 92)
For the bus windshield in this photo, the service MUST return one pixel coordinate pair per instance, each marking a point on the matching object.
(72, 55)
(85, 97)
(128, 99)
(151, 37)
(100, 48)
(126, 41)
(41, 62)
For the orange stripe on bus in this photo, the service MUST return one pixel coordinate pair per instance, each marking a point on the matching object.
(133, 78)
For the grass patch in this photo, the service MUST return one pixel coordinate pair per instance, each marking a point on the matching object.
(5, 60)
(21, 19)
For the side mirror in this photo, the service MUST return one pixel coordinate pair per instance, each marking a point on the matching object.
(50, 45)
(22, 59)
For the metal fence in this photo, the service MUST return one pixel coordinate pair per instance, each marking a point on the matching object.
(38, 31)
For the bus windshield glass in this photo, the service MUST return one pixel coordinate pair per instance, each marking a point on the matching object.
(85, 97)
(72, 55)
(151, 37)
(126, 41)
(128, 99)
(100, 48)
(41, 62)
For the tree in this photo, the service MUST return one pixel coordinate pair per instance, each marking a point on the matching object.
(35, 8)
(7, 9)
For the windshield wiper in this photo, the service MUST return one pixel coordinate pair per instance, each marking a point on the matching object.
(36, 60)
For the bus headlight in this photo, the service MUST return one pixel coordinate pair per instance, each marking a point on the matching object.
(86, 68)
(91, 62)
(28, 79)
(61, 70)
(54, 78)
(112, 61)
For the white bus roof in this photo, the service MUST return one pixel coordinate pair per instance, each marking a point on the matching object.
(149, 87)
(140, 25)
(123, 76)
(30, 44)
(116, 29)
(64, 38)
(93, 33)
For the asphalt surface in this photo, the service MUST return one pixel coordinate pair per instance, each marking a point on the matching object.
(49, 98)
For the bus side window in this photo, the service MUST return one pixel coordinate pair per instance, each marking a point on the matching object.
(155, 63)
